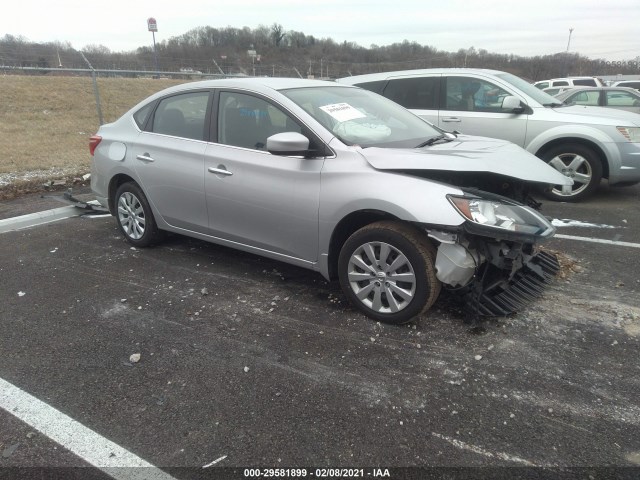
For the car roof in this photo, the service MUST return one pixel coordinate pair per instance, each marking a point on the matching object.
(613, 87)
(372, 77)
(256, 84)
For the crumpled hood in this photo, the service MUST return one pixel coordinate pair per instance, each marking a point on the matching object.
(468, 154)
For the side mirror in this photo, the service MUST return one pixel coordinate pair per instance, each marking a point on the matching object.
(513, 104)
(288, 144)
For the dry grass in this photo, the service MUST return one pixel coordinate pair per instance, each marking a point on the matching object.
(46, 121)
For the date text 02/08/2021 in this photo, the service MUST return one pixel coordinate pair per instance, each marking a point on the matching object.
(316, 472)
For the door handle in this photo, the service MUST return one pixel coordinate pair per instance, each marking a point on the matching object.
(221, 170)
(145, 157)
(451, 119)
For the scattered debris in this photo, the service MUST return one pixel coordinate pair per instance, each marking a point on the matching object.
(478, 357)
(134, 358)
(246, 369)
(204, 292)
(568, 265)
(21, 294)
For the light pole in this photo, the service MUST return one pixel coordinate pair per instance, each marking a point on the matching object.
(569, 42)
(152, 25)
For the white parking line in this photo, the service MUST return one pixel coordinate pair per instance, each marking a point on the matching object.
(39, 218)
(598, 240)
(94, 449)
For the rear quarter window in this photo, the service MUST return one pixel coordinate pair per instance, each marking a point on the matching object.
(141, 116)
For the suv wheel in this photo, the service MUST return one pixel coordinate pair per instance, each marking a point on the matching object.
(579, 163)
(134, 216)
(387, 271)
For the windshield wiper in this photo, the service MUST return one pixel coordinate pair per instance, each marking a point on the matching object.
(435, 139)
(554, 104)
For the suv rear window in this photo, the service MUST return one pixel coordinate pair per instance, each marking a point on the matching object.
(587, 82)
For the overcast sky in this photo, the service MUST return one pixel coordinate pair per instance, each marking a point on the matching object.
(607, 30)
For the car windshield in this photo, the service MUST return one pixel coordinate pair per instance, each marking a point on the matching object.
(538, 95)
(360, 117)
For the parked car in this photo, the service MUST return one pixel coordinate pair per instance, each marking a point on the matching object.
(569, 82)
(613, 97)
(585, 143)
(627, 83)
(335, 179)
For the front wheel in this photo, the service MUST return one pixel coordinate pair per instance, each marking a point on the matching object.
(579, 163)
(134, 216)
(387, 271)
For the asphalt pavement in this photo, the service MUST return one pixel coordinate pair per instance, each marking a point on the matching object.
(247, 362)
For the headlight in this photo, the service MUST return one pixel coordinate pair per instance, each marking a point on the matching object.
(518, 219)
(630, 133)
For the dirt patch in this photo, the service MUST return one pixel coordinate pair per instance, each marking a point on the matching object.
(36, 183)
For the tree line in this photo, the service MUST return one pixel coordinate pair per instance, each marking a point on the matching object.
(274, 51)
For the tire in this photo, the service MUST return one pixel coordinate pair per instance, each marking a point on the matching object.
(368, 281)
(578, 162)
(134, 217)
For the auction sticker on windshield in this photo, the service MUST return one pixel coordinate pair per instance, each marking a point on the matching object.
(343, 112)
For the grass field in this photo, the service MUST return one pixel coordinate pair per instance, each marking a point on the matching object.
(46, 121)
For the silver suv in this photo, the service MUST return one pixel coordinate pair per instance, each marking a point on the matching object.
(335, 179)
(584, 143)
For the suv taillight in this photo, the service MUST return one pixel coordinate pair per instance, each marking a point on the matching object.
(94, 141)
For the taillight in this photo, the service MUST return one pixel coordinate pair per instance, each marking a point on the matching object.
(94, 141)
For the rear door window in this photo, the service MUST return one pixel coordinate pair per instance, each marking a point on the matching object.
(182, 116)
(585, 98)
(416, 93)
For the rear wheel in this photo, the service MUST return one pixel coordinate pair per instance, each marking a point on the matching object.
(387, 271)
(134, 216)
(578, 163)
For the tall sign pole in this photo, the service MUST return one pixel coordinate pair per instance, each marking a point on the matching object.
(152, 25)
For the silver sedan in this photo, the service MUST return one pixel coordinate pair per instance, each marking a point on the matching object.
(336, 179)
(621, 98)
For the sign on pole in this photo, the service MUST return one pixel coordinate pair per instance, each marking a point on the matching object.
(152, 24)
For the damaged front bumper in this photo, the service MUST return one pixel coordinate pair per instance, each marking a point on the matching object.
(495, 277)
(491, 260)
